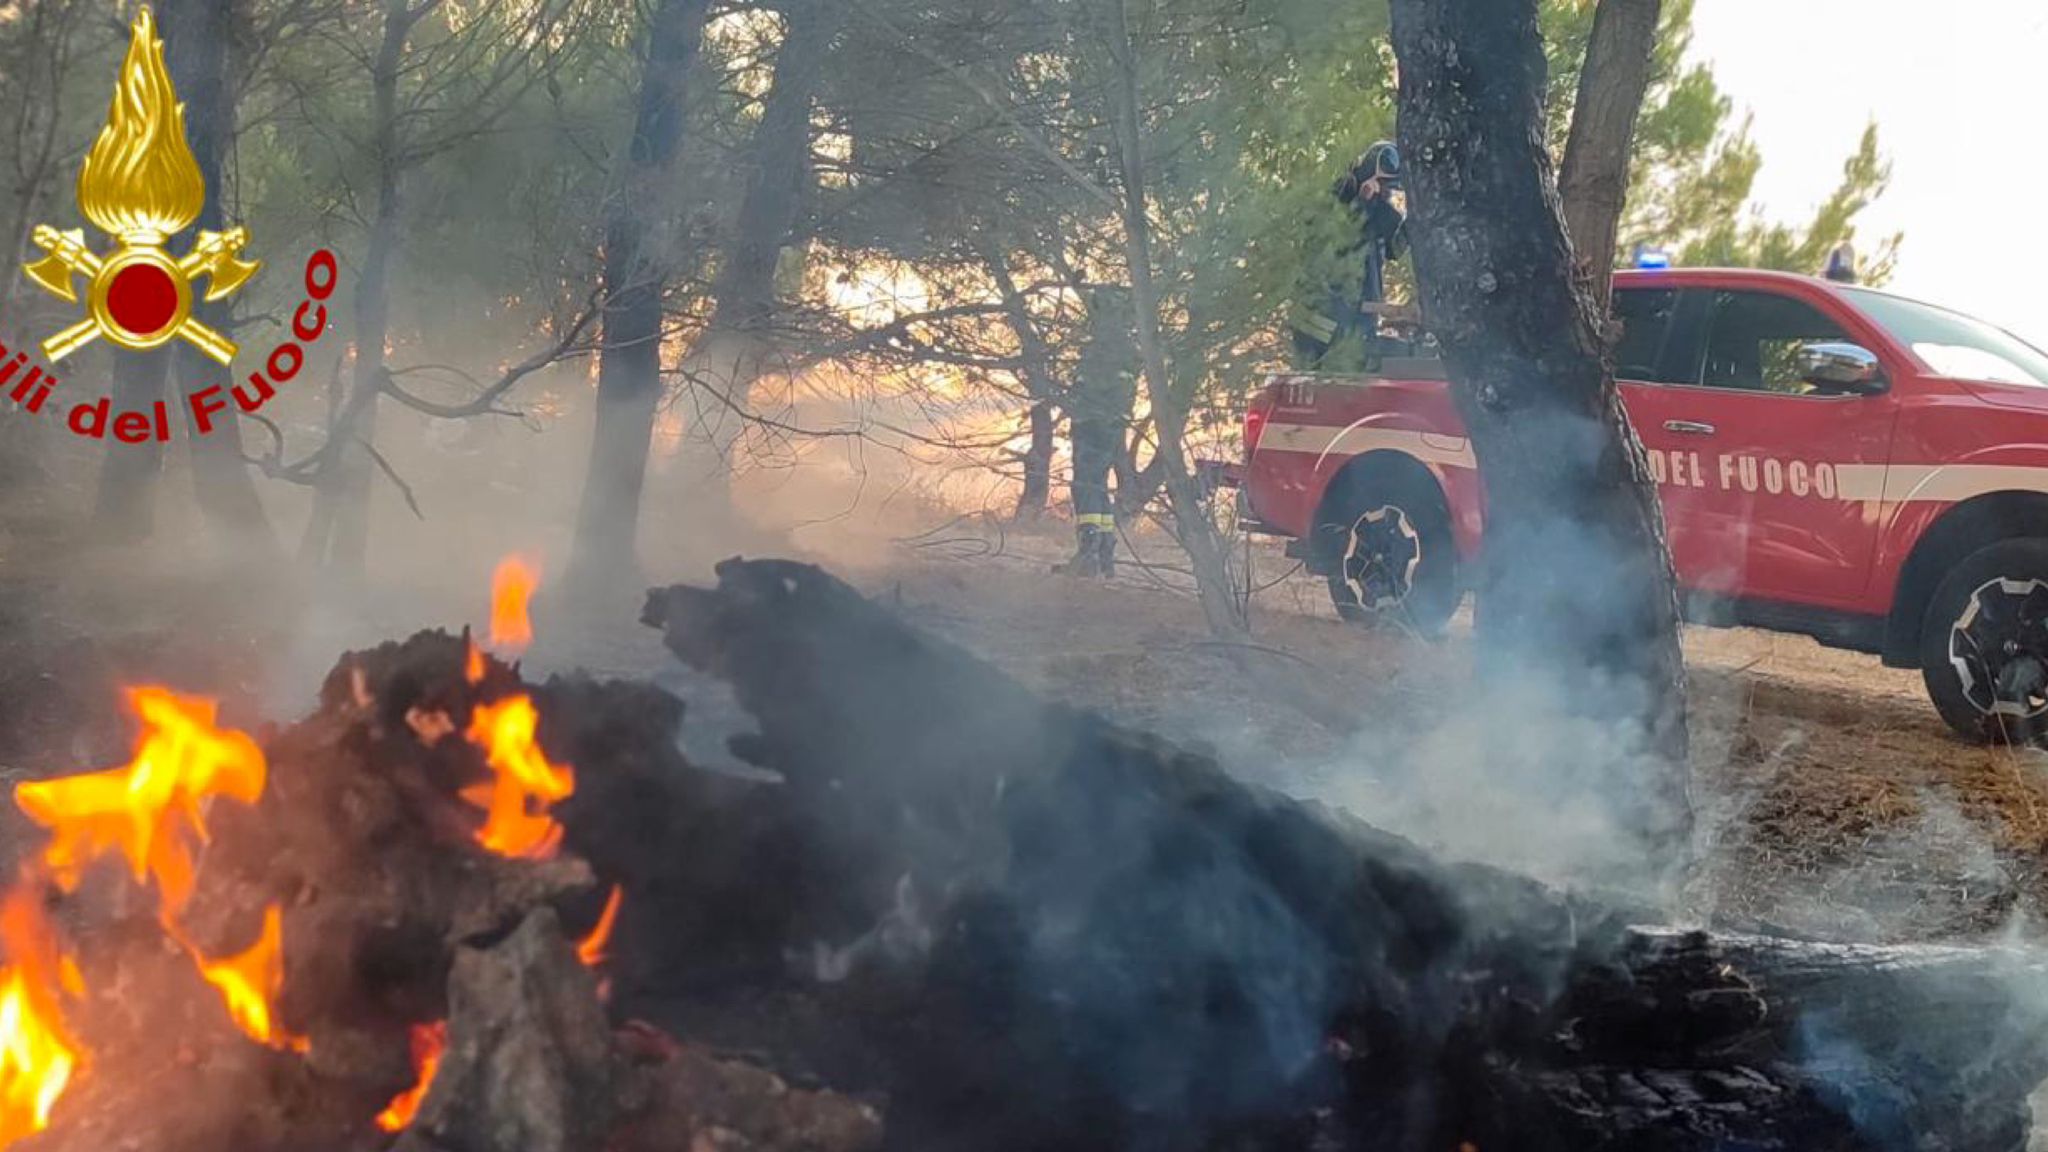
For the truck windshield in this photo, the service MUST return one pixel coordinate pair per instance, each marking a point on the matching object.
(1954, 344)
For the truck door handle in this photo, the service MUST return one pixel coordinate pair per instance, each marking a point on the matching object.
(1689, 427)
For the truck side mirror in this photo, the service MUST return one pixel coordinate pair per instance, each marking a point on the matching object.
(1840, 367)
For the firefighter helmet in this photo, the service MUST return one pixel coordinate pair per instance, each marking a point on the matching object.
(1379, 165)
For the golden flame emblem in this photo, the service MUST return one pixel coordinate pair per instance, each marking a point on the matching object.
(141, 184)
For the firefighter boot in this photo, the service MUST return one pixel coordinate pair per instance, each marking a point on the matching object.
(1086, 555)
(1105, 552)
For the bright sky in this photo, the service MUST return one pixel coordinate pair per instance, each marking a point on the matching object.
(1959, 91)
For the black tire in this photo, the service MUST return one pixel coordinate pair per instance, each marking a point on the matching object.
(1984, 644)
(1367, 529)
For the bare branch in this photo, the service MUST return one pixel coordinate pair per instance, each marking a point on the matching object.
(385, 467)
(485, 402)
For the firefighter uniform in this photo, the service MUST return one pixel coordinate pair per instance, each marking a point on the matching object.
(1099, 407)
(1367, 188)
(1841, 266)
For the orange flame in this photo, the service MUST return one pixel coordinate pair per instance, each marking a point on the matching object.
(515, 801)
(512, 587)
(473, 666)
(249, 983)
(37, 1057)
(149, 810)
(141, 181)
(591, 950)
(429, 1041)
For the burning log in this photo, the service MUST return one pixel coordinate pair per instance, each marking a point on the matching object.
(1018, 924)
(1129, 947)
(528, 1066)
(310, 895)
(346, 931)
(523, 1060)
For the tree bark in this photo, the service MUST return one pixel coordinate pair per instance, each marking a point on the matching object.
(124, 506)
(1136, 486)
(339, 533)
(1037, 489)
(737, 344)
(21, 447)
(745, 288)
(196, 37)
(1575, 588)
(1036, 374)
(1593, 180)
(635, 276)
(41, 64)
(1191, 523)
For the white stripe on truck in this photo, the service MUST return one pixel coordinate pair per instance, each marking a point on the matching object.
(1938, 483)
(1856, 483)
(1323, 441)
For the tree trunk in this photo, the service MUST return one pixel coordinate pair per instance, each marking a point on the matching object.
(22, 447)
(196, 35)
(1593, 181)
(735, 347)
(745, 288)
(1191, 523)
(635, 275)
(341, 505)
(1037, 489)
(1135, 486)
(1036, 374)
(44, 47)
(1576, 589)
(124, 508)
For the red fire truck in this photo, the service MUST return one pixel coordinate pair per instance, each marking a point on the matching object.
(1834, 461)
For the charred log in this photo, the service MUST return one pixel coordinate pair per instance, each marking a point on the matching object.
(740, 1107)
(726, 862)
(529, 1064)
(1130, 948)
(1009, 923)
(395, 920)
(361, 844)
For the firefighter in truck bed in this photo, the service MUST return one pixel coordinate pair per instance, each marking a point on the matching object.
(1347, 312)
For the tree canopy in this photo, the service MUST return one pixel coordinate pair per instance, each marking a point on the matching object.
(960, 180)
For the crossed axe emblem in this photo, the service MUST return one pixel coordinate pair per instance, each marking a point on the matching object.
(138, 297)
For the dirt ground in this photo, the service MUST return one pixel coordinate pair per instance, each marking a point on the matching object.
(1833, 802)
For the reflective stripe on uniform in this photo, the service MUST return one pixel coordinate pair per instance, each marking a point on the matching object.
(1105, 520)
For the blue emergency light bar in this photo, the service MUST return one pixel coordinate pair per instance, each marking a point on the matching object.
(1652, 257)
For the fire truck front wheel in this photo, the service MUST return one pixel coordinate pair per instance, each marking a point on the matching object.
(1984, 644)
(1386, 547)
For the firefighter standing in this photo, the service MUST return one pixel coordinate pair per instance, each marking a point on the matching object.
(1099, 407)
(1841, 266)
(1367, 188)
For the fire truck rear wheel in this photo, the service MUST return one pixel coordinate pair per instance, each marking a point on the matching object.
(1387, 542)
(1984, 644)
